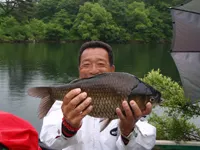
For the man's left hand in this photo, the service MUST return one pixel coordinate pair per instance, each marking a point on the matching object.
(128, 121)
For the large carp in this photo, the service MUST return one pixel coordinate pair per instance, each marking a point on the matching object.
(107, 91)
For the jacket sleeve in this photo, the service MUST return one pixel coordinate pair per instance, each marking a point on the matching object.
(142, 138)
(51, 134)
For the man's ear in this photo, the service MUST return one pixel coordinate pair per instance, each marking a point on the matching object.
(113, 68)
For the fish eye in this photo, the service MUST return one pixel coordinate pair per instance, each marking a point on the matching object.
(152, 99)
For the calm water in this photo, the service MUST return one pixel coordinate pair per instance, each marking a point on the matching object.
(26, 65)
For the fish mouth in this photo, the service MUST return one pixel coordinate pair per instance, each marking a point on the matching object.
(161, 101)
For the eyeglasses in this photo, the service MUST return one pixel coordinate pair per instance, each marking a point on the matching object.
(97, 65)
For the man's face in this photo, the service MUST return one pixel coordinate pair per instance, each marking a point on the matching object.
(94, 61)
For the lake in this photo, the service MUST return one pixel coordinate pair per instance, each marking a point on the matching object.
(26, 65)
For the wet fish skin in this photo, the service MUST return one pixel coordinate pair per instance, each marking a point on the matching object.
(107, 91)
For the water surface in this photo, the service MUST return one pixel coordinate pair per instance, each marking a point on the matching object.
(26, 65)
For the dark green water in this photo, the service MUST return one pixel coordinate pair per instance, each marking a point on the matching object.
(26, 65)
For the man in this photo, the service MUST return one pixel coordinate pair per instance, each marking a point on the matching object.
(68, 126)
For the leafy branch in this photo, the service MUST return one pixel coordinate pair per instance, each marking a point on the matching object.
(174, 123)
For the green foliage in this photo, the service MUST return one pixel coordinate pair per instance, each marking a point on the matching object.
(174, 128)
(117, 9)
(107, 20)
(173, 94)
(20, 9)
(174, 123)
(46, 9)
(93, 22)
(54, 32)
(62, 18)
(157, 29)
(11, 30)
(138, 20)
(70, 6)
(36, 29)
(91, 19)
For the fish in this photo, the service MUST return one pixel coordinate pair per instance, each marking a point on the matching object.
(107, 91)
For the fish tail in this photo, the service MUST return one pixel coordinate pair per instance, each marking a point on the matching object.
(45, 93)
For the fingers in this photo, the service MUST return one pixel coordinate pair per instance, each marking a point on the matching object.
(127, 120)
(127, 109)
(70, 95)
(148, 109)
(136, 110)
(120, 114)
(77, 100)
(82, 107)
(76, 105)
(72, 99)
(132, 111)
(81, 115)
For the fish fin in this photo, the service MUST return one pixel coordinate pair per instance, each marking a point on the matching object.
(80, 79)
(46, 99)
(75, 80)
(39, 92)
(104, 124)
(45, 105)
(92, 77)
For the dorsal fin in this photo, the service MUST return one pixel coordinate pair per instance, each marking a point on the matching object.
(95, 76)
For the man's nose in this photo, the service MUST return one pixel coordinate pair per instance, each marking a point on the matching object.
(94, 70)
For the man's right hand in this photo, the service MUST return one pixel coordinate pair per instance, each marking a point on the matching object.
(76, 105)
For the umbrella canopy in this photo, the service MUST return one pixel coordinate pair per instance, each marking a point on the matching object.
(186, 46)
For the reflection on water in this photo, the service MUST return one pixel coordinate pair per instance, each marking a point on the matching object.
(26, 65)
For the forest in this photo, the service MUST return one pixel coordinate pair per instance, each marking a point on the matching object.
(116, 21)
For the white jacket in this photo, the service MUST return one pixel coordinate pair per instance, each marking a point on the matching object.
(89, 136)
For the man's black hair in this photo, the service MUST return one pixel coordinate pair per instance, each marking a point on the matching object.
(97, 44)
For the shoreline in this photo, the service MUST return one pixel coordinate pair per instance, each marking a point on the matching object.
(79, 41)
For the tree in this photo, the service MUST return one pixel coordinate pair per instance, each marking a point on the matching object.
(62, 18)
(158, 28)
(36, 29)
(18, 8)
(54, 32)
(12, 30)
(108, 20)
(93, 22)
(70, 6)
(174, 123)
(46, 9)
(8, 6)
(138, 20)
(117, 8)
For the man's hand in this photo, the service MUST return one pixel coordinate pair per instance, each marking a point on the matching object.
(75, 107)
(127, 122)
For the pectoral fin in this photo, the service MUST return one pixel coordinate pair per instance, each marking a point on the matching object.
(46, 99)
(104, 124)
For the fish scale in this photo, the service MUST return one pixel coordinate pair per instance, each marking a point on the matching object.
(104, 102)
